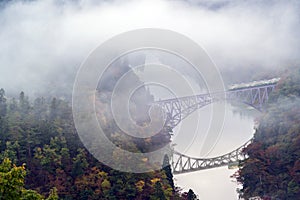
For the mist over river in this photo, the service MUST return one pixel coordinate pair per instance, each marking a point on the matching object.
(213, 184)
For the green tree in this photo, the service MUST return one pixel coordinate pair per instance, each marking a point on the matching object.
(31, 195)
(168, 171)
(3, 105)
(158, 192)
(11, 180)
(79, 163)
(12, 183)
(191, 195)
(53, 109)
(13, 105)
(40, 109)
(53, 194)
(3, 112)
(10, 151)
(24, 104)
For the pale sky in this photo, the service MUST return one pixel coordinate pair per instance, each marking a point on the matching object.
(43, 39)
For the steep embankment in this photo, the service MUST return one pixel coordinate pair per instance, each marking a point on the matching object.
(41, 133)
(272, 170)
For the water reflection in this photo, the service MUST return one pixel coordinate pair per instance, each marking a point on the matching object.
(213, 184)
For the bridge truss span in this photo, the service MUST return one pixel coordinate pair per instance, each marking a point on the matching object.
(255, 94)
(184, 164)
(177, 109)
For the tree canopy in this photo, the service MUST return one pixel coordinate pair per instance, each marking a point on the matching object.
(272, 169)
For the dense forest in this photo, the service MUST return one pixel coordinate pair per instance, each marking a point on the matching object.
(42, 155)
(272, 169)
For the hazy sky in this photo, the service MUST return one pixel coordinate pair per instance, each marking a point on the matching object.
(45, 41)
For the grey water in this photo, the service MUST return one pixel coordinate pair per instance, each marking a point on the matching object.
(190, 138)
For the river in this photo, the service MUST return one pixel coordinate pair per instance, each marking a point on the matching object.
(213, 184)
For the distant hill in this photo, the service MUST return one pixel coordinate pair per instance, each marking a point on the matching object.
(272, 170)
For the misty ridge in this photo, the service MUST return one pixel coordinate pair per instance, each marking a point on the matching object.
(43, 43)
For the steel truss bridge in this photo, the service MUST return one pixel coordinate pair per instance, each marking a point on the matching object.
(177, 109)
(183, 164)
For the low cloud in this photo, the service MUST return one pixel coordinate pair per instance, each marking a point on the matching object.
(44, 42)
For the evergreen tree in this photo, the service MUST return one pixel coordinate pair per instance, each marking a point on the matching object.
(53, 194)
(3, 106)
(158, 192)
(3, 120)
(24, 104)
(53, 109)
(191, 195)
(12, 183)
(168, 171)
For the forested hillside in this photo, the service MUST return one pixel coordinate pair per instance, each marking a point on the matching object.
(272, 170)
(39, 136)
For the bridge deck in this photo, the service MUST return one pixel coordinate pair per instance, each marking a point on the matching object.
(177, 109)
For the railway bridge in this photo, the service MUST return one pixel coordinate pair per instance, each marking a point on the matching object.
(255, 94)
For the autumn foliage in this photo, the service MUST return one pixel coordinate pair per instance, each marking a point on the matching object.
(272, 170)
